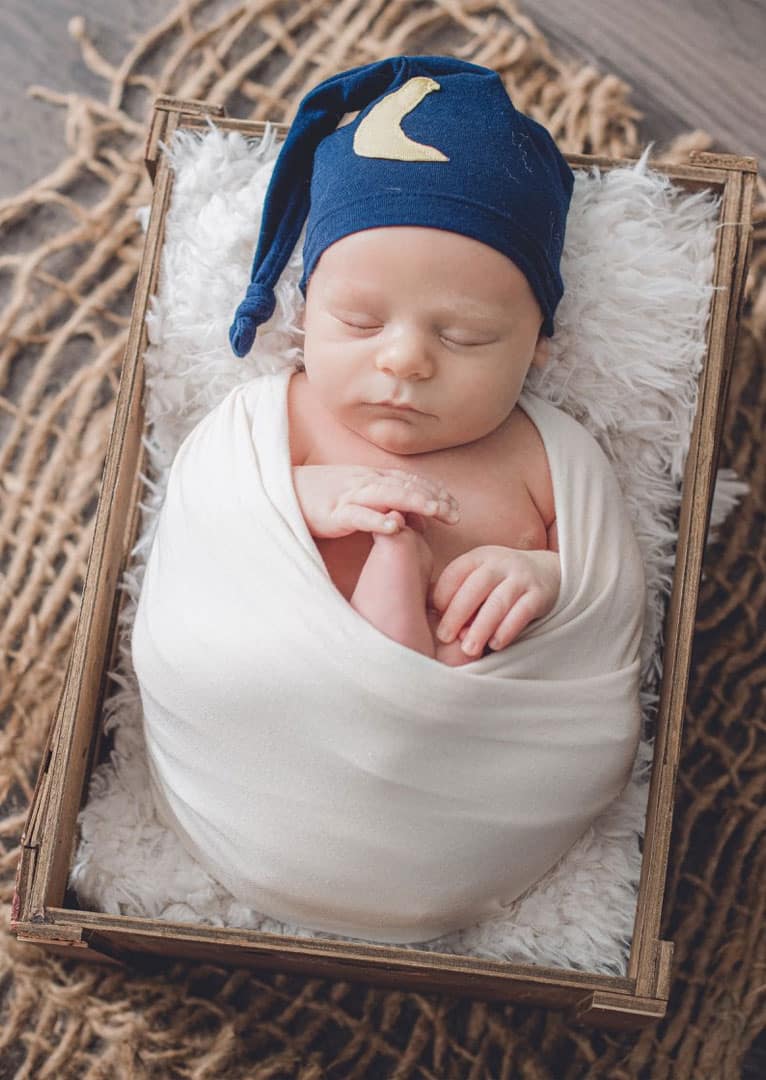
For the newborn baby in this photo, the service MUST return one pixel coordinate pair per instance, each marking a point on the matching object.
(413, 369)
(388, 634)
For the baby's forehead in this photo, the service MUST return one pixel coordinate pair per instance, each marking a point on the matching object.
(423, 262)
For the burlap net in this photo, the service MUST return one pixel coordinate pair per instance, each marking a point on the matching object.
(72, 247)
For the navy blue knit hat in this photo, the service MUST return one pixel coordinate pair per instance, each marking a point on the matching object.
(437, 142)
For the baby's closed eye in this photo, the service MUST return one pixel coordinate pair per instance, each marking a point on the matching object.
(466, 339)
(358, 320)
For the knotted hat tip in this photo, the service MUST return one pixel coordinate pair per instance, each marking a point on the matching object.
(257, 307)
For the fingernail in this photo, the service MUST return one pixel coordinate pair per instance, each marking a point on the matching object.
(443, 634)
(494, 642)
(432, 505)
(469, 646)
(454, 515)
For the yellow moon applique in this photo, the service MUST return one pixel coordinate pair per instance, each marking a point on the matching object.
(380, 134)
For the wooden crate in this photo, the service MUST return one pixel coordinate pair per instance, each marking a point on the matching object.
(40, 914)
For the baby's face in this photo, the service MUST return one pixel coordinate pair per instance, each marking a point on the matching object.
(422, 316)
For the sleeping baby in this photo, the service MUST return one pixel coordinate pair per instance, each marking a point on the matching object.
(388, 636)
(413, 370)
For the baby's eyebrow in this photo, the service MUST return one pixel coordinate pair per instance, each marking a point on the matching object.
(343, 291)
(458, 309)
(355, 293)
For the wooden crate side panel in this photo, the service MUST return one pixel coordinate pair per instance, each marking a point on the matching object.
(699, 476)
(595, 999)
(79, 731)
(30, 837)
(69, 923)
(128, 951)
(611, 1013)
(702, 171)
(167, 114)
(76, 724)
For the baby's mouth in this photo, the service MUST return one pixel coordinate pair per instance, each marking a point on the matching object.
(395, 405)
(402, 408)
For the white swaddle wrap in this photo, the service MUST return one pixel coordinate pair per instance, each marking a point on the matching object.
(328, 775)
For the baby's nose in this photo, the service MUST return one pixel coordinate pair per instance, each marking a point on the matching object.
(406, 356)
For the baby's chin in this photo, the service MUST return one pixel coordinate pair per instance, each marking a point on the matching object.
(406, 436)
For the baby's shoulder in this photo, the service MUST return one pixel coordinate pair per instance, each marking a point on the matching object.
(530, 456)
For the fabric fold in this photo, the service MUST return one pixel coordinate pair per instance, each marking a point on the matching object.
(330, 776)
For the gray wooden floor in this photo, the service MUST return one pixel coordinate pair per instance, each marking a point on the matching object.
(691, 63)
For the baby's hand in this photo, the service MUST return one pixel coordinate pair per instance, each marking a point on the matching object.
(508, 586)
(340, 499)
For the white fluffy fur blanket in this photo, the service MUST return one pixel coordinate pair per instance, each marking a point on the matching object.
(629, 346)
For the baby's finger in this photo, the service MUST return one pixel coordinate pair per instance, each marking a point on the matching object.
(383, 497)
(491, 615)
(464, 603)
(452, 577)
(436, 488)
(357, 518)
(518, 618)
(395, 519)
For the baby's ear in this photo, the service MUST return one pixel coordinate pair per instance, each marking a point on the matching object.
(542, 350)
